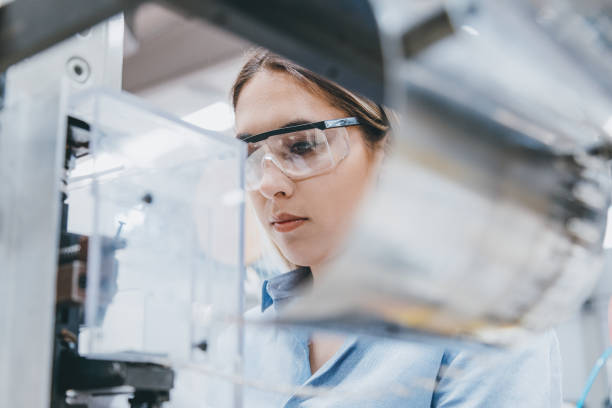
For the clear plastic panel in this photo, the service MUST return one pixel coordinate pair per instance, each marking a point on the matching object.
(165, 253)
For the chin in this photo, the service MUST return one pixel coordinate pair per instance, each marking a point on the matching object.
(298, 260)
(300, 257)
(295, 253)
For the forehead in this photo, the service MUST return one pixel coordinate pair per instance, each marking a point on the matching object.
(271, 99)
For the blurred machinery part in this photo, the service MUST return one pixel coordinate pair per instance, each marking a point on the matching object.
(495, 197)
(582, 28)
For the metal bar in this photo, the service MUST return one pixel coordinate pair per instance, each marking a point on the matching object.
(32, 146)
(30, 26)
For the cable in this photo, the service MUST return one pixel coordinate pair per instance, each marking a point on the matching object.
(598, 364)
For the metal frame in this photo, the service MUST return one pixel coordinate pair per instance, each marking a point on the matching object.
(32, 144)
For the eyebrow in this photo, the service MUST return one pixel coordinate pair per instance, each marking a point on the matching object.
(295, 122)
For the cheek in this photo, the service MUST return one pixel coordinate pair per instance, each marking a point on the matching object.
(338, 193)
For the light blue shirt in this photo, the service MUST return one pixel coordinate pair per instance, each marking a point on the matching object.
(376, 372)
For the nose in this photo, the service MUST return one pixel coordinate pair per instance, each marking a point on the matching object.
(274, 183)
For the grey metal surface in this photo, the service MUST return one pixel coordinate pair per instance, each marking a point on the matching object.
(32, 137)
(502, 65)
(167, 46)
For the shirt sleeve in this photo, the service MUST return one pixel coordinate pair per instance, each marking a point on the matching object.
(526, 376)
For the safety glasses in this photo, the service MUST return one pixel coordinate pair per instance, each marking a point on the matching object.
(299, 151)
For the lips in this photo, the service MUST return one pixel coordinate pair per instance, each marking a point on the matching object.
(287, 222)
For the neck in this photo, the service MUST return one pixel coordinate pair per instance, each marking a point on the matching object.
(320, 268)
(316, 272)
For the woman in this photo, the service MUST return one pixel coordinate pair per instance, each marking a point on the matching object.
(314, 148)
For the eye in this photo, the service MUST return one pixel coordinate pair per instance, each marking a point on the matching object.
(302, 147)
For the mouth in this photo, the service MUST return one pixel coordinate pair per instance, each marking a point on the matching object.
(287, 222)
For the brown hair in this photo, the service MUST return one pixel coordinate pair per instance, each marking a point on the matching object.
(373, 118)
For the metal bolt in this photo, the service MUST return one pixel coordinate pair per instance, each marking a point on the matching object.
(78, 69)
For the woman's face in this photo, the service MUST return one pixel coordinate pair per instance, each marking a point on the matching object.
(319, 208)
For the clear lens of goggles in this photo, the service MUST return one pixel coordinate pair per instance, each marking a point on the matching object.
(298, 155)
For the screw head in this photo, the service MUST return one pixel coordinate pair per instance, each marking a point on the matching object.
(78, 69)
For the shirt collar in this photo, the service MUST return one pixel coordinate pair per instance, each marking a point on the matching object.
(280, 289)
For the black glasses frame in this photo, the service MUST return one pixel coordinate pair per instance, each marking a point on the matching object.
(325, 124)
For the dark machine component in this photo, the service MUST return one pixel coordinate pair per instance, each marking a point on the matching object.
(77, 143)
(126, 373)
(337, 39)
(71, 282)
(82, 373)
(426, 32)
(151, 383)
